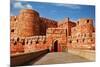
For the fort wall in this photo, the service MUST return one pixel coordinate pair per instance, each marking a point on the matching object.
(30, 33)
(28, 23)
(82, 34)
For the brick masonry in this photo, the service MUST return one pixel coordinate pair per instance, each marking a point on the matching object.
(31, 33)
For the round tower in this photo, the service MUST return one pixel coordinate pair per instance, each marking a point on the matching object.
(28, 23)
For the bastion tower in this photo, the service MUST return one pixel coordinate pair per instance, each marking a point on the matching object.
(28, 23)
(85, 26)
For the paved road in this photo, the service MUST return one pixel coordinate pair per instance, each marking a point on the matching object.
(58, 58)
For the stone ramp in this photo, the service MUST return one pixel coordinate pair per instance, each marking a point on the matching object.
(88, 54)
(58, 58)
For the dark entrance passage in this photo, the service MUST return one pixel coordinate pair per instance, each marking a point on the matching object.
(56, 46)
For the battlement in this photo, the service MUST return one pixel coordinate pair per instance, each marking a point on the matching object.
(30, 32)
(49, 23)
(56, 31)
(26, 44)
(49, 20)
(33, 38)
(13, 18)
(85, 21)
(13, 21)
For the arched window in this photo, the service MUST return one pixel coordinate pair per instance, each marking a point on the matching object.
(77, 40)
(87, 21)
(23, 43)
(12, 30)
(15, 43)
(31, 42)
(14, 19)
(37, 42)
(83, 40)
(44, 42)
(70, 41)
(84, 35)
(18, 39)
(27, 42)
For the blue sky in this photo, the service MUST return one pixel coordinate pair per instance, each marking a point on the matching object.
(56, 11)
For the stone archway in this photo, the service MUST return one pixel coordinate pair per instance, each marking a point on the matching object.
(55, 46)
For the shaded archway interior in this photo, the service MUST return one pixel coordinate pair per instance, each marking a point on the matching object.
(56, 46)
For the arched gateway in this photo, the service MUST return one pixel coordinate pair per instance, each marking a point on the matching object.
(57, 39)
(55, 46)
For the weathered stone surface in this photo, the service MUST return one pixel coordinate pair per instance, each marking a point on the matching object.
(30, 33)
(82, 34)
(28, 23)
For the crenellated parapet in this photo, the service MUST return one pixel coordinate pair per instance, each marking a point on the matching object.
(33, 43)
(82, 35)
(49, 23)
(31, 32)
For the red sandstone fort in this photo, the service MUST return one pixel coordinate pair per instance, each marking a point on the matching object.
(30, 33)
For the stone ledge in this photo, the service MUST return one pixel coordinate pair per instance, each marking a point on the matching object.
(20, 59)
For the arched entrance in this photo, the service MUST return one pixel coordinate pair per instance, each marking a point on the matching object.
(56, 46)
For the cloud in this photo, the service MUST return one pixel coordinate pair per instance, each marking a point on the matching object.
(16, 6)
(22, 6)
(68, 6)
(73, 6)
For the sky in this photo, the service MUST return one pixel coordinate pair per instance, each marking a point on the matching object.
(55, 11)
